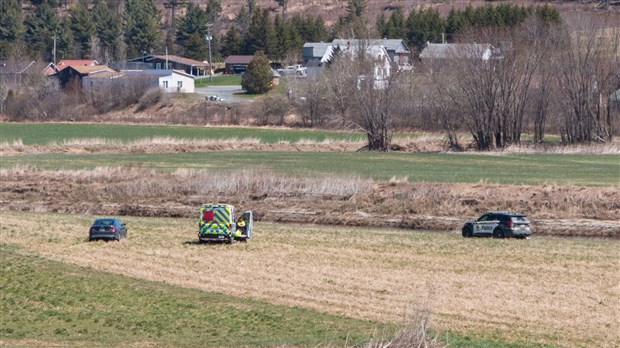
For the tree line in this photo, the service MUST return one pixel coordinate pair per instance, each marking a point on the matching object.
(111, 31)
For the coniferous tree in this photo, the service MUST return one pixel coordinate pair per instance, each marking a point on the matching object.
(142, 31)
(41, 26)
(395, 27)
(243, 20)
(196, 47)
(82, 27)
(232, 43)
(108, 29)
(381, 25)
(257, 78)
(194, 22)
(64, 40)
(260, 36)
(11, 26)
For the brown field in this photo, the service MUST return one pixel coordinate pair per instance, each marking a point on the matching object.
(556, 291)
(560, 210)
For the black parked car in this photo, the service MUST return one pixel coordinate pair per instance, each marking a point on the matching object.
(107, 229)
(498, 224)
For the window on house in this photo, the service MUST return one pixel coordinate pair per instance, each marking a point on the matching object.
(165, 84)
(180, 84)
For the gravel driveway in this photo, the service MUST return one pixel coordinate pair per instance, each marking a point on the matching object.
(228, 93)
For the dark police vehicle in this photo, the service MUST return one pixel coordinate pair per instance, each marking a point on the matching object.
(498, 224)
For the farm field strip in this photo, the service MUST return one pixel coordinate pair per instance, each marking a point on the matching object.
(57, 133)
(541, 291)
(518, 168)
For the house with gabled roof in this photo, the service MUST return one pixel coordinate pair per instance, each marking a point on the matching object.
(396, 48)
(71, 77)
(236, 64)
(317, 53)
(169, 62)
(168, 80)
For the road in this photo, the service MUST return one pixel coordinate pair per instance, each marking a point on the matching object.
(228, 93)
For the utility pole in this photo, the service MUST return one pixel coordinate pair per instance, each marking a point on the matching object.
(54, 50)
(210, 63)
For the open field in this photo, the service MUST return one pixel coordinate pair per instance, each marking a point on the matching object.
(542, 291)
(514, 169)
(58, 133)
(55, 303)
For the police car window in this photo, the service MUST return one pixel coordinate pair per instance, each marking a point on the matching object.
(484, 218)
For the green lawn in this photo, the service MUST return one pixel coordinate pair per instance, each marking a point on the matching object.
(51, 302)
(46, 133)
(532, 169)
(219, 80)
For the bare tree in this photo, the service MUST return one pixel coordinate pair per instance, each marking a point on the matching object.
(590, 62)
(492, 92)
(312, 101)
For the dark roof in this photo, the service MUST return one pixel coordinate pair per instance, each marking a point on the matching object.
(171, 58)
(238, 59)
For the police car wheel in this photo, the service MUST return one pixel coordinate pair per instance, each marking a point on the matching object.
(498, 233)
(467, 232)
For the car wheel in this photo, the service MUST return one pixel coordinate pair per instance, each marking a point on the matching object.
(498, 233)
(467, 233)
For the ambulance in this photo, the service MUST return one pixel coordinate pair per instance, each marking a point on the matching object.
(218, 224)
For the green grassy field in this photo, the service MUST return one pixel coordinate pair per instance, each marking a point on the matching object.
(46, 133)
(530, 169)
(219, 80)
(47, 301)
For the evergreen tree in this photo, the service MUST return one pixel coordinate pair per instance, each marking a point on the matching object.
(108, 29)
(243, 20)
(11, 26)
(142, 31)
(395, 28)
(64, 40)
(260, 36)
(355, 9)
(424, 26)
(232, 43)
(257, 78)
(194, 22)
(41, 26)
(11, 21)
(82, 27)
(455, 23)
(213, 11)
(381, 25)
(196, 47)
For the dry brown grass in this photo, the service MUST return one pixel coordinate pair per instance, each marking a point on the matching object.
(557, 210)
(553, 291)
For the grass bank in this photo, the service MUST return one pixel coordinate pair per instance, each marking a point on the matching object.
(515, 168)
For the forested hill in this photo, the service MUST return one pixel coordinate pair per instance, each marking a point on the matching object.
(113, 30)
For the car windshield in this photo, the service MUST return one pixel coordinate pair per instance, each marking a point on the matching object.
(105, 222)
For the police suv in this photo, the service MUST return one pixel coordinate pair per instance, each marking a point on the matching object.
(498, 224)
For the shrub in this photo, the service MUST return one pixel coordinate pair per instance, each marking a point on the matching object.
(150, 98)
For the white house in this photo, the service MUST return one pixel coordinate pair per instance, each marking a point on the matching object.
(382, 67)
(168, 80)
